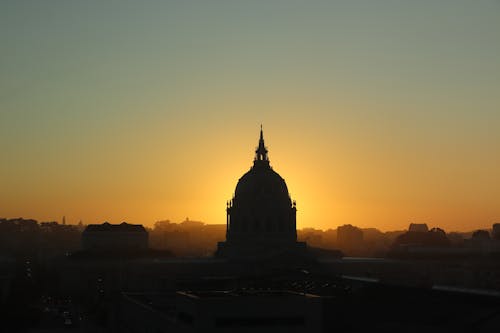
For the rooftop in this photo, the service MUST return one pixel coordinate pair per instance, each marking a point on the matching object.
(122, 227)
(243, 293)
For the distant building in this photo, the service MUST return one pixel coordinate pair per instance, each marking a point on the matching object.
(416, 236)
(481, 235)
(418, 227)
(419, 243)
(18, 236)
(114, 237)
(188, 224)
(481, 241)
(496, 231)
(349, 237)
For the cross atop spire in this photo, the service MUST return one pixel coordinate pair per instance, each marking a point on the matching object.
(261, 152)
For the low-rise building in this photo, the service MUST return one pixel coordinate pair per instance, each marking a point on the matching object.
(114, 237)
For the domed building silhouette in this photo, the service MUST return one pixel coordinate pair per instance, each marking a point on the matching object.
(261, 217)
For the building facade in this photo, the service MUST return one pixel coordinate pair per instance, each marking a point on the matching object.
(114, 237)
(261, 217)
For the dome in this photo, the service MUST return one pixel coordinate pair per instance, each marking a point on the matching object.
(261, 208)
(262, 182)
(261, 217)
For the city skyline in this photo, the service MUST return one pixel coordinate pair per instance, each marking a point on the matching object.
(376, 115)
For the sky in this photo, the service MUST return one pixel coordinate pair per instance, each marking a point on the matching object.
(376, 113)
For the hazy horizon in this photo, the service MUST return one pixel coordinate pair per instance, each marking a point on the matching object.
(152, 224)
(377, 114)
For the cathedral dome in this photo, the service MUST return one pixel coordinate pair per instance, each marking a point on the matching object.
(261, 209)
(261, 217)
(262, 182)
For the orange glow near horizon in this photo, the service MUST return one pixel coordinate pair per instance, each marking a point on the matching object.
(330, 189)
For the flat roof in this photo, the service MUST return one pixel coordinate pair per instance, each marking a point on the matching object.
(244, 293)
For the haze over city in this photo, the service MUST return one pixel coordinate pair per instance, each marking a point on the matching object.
(377, 114)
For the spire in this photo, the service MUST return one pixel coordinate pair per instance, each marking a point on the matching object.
(261, 152)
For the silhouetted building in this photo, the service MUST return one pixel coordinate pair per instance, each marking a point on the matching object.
(496, 231)
(481, 235)
(418, 227)
(432, 238)
(349, 237)
(482, 242)
(261, 216)
(19, 237)
(114, 237)
(58, 239)
(187, 239)
(418, 243)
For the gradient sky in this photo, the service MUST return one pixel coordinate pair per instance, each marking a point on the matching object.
(376, 113)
